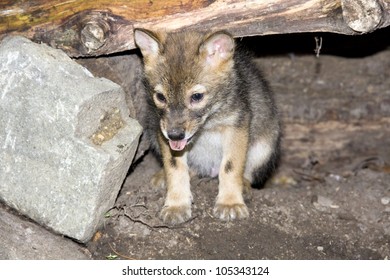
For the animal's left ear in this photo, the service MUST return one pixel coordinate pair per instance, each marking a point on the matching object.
(217, 48)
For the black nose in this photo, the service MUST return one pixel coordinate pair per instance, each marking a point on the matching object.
(176, 134)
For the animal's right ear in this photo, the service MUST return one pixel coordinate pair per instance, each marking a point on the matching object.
(147, 42)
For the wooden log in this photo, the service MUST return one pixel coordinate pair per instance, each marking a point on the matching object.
(97, 27)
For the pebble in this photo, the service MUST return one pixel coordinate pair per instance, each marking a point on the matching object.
(385, 200)
(284, 180)
(319, 200)
(336, 177)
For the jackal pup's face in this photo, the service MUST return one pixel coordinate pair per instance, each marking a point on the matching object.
(185, 73)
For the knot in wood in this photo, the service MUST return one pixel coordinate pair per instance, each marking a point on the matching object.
(362, 15)
(94, 35)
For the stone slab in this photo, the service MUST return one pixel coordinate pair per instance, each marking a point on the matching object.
(24, 240)
(67, 141)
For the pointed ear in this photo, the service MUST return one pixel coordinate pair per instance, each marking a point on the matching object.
(147, 42)
(217, 48)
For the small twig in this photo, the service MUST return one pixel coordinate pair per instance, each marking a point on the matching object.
(140, 204)
(309, 177)
(152, 227)
(317, 50)
(136, 220)
(119, 254)
(122, 212)
(376, 161)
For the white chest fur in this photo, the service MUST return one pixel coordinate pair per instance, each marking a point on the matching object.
(205, 155)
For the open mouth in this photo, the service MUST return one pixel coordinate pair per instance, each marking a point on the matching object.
(178, 145)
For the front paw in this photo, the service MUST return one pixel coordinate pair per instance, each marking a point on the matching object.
(227, 212)
(174, 215)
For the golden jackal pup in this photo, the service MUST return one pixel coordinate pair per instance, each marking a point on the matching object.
(210, 114)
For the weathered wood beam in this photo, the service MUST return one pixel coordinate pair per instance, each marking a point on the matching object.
(97, 27)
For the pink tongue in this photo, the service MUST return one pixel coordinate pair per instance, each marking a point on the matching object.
(177, 145)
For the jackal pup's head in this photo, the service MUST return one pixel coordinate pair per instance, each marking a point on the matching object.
(186, 74)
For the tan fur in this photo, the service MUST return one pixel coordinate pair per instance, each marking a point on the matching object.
(177, 207)
(210, 112)
(230, 203)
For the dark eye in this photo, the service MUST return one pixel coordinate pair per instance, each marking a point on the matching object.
(160, 97)
(196, 97)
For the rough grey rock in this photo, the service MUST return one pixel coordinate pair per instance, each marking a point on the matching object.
(126, 71)
(66, 140)
(23, 240)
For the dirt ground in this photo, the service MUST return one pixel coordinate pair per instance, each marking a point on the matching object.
(330, 197)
